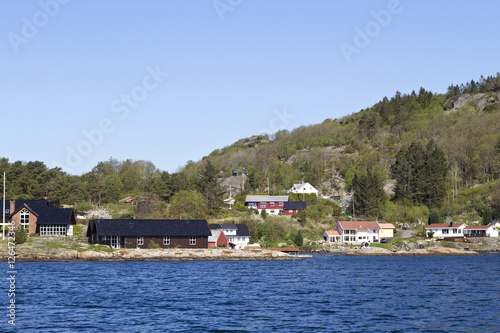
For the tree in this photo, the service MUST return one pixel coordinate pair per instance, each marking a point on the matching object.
(369, 194)
(186, 205)
(208, 186)
(420, 174)
(433, 216)
(113, 188)
(299, 240)
(487, 218)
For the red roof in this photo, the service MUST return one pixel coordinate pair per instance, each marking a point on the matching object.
(359, 225)
(444, 225)
(477, 227)
(332, 233)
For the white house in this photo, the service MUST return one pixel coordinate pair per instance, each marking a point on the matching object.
(446, 229)
(358, 231)
(331, 236)
(480, 231)
(237, 235)
(304, 188)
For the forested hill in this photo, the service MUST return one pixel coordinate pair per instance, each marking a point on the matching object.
(420, 149)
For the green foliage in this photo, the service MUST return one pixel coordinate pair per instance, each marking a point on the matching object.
(55, 245)
(299, 240)
(21, 235)
(208, 186)
(421, 174)
(487, 218)
(77, 230)
(369, 195)
(433, 216)
(187, 205)
(263, 214)
(302, 218)
(495, 107)
(153, 245)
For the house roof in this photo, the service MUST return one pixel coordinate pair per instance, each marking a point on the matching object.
(241, 229)
(302, 186)
(266, 198)
(34, 205)
(295, 205)
(53, 215)
(129, 227)
(386, 225)
(215, 235)
(444, 225)
(332, 233)
(46, 214)
(478, 227)
(359, 225)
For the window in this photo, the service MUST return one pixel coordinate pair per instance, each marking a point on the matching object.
(53, 230)
(166, 240)
(459, 231)
(272, 211)
(290, 210)
(252, 204)
(271, 204)
(454, 231)
(281, 204)
(262, 205)
(140, 240)
(192, 240)
(25, 219)
(445, 231)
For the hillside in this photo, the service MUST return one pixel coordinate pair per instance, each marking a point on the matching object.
(403, 159)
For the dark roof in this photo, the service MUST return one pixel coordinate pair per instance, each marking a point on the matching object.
(34, 205)
(46, 214)
(53, 215)
(298, 205)
(122, 227)
(241, 229)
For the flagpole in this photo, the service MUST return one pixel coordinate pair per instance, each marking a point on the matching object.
(3, 200)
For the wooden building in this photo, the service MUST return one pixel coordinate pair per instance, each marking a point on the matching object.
(129, 233)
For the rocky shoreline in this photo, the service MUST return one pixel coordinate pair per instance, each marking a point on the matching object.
(156, 255)
(39, 249)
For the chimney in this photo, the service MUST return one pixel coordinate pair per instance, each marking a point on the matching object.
(451, 223)
(12, 206)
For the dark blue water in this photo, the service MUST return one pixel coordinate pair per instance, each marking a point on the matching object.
(322, 294)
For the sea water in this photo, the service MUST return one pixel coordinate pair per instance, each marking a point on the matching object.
(326, 293)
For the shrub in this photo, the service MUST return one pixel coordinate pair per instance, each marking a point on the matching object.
(153, 245)
(21, 235)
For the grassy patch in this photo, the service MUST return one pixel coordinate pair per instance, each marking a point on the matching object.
(389, 245)
(55, 245)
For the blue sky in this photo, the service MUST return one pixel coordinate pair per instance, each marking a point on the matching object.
(170, 81)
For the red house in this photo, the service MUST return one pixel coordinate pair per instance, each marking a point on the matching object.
(217, 239)
(294, 207)
(272, 204)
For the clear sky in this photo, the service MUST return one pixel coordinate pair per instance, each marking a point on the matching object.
(171, 80)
